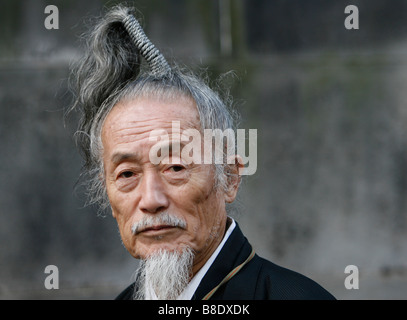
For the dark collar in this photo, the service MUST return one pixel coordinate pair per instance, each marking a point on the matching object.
(234, 252)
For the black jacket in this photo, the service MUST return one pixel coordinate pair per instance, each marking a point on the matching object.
(259, 279)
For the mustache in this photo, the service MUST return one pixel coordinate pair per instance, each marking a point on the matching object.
(160, 219)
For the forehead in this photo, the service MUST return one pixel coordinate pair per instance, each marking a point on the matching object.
(134, 120)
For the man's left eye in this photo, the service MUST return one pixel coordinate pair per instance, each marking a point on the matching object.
(177, 168)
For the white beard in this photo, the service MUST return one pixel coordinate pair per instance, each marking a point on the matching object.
(167, 273)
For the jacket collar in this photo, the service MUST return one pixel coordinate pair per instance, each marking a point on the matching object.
(234, 252)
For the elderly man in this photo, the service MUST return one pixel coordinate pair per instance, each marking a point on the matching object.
(171, 213)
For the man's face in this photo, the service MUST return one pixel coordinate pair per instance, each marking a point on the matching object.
(137, 188)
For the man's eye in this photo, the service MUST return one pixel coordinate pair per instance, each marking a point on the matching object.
(126, 174)
(177, 168)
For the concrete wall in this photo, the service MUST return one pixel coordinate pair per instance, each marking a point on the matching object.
(329, 106)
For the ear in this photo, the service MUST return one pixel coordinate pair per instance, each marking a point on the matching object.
(233, 178)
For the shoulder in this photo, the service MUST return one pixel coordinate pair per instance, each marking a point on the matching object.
(276, 282)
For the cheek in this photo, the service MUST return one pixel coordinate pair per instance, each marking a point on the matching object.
(122, 213)
(205, 213)
(201, 184)
(124, 229)
(212, 214)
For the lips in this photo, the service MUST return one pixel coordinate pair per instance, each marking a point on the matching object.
(154, 229)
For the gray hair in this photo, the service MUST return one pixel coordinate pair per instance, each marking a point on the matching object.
(112, 71)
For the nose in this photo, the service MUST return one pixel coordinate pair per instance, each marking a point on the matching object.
(153, 197)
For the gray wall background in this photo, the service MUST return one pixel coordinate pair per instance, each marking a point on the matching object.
(329, 105)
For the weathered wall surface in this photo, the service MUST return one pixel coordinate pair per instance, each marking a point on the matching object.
(329, 106)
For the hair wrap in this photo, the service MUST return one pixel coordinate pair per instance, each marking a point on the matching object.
(159, 66)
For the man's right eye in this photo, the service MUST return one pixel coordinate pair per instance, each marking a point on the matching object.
(126, 174)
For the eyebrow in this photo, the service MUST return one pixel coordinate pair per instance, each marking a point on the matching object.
(119, 157)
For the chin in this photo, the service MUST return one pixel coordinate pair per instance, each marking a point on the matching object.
(153, 249)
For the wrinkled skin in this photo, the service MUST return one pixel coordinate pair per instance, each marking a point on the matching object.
(136, 187)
